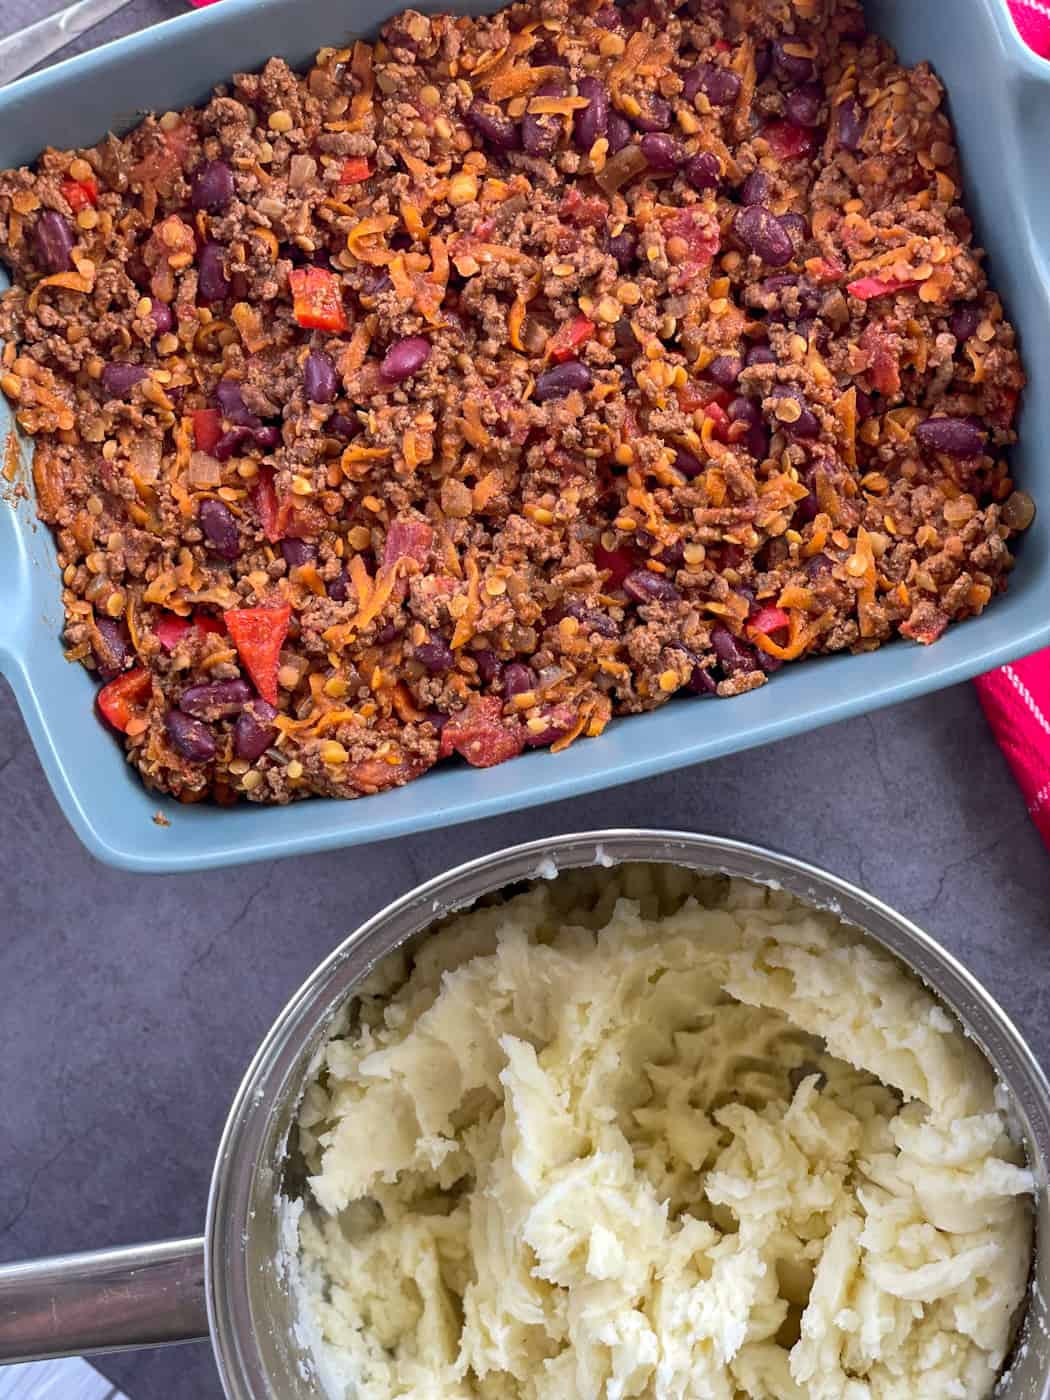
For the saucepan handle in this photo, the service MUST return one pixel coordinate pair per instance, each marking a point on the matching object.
(147, 1295)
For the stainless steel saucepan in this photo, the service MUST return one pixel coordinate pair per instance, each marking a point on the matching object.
(231, 1285)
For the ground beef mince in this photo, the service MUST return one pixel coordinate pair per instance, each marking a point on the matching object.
(502, 376)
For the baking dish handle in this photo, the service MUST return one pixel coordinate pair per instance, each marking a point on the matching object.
(147, 1295)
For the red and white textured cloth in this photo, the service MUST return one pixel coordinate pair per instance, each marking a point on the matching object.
(1016, 698)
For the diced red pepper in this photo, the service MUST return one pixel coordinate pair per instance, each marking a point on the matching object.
(698, 229)
(317, 299)
(355, 169)
(258, 634)
(481, 735)
(121, 698)
(824, 270)
(264, 497)
(865, 288)
(769, 620)
(788, 141)
(170, 629)
(568, 338)
(696, 394)
(79, 194)
(207, 428)
(618, 562)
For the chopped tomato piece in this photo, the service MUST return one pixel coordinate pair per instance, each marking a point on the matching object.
(568, 338)
(258, 634)
(481, 735)
(719, 417)
(1006, 410)
(883, 349)
(698, 231)
(696, 394)
(355, 169)
(207, 428)
(300, 520)
(170, 629)
(317, 299)
(79, 194)
(484, 228)
(618, 562)
(168, 156)
(825, 269)
(407, 539)
(865, 288)
(120, 699)
(769, 620)
(788, 141)
(265, 499)
(583, 209)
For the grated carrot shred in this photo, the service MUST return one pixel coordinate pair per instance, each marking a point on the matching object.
(474, 430)
(68, 281)
(465, 624)
(484, 491)
(574, 733)
(799, 637)
(846, 412)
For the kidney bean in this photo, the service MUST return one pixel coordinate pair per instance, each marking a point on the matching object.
(756, 440)
(298, 552)
(807, 424)
(719, 85)
(743, 410)
(53, 243)
(518, 679)
(112, 650)
(118, 379)
(493, 127)
(230, 443)
(688, 463)
(388, 633)
(796, 227)
(755, 189)
(319, 377)
(618, 132)
(703, 171)
(701, 682)
(559, 720)
(212, 282)
(338, 588)
(230, 399)
(655, 117)
(803, 106)
(341, 425)
(646, 587)
(218, 700)
(162, 317)
(211, 186)
(763, 234)
(490, 668)
(220, 528)
(591, 121)
(964, 321)
(436, 655)
(763, 62)
(623, 247)
(807, 509)
(594, 620)
(736, 656)
(865, 406)
(849, 124)
(759, 355)
(725, 370)
(661, 151)
(405, 358)
(189, 737)
(955, 437)
(608, 17)
(767, 663)
(790, 66)
(266, 438)
(539, 135)
(562, 379)
(254, 731)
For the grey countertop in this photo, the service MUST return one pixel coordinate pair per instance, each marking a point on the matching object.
(133, 1004)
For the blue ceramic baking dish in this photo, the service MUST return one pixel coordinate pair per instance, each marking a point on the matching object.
(1001, 108)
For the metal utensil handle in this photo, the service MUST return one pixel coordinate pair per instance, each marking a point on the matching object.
(148, 1295)
(24, 50)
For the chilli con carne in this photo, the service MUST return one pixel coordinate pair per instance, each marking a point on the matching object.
(502, 376)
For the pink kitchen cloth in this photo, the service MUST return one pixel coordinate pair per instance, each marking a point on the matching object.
(1016, 698)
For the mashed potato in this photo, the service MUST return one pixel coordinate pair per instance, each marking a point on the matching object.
(644, 1134)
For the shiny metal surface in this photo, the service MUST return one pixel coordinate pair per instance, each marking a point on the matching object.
(30, 46)
(127, 1298)
(252, 1315)
(146, 1295)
